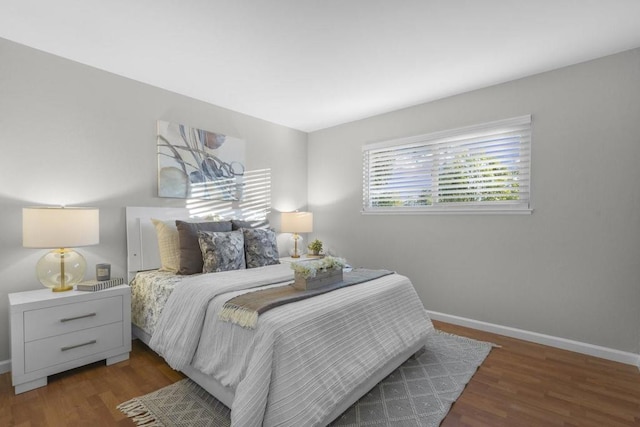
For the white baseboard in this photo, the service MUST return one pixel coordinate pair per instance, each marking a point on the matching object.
(5, 366)
(562, 343)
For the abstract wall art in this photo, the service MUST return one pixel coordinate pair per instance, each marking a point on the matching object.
(199, 164)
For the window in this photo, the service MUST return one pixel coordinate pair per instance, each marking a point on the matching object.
(483, 168)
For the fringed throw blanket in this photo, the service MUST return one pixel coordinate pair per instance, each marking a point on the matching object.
(244, 309)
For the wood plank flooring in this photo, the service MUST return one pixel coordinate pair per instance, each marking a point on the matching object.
(526, 384)
(519, 384)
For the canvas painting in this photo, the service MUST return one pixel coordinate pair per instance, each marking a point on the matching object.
(200, 164)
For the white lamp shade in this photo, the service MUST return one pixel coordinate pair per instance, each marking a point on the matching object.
(296, 222)
(57, 227)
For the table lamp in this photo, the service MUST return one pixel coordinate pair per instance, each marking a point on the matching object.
(60, 228)
(296, 222)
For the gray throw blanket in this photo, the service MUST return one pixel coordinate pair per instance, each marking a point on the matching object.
(244, 309)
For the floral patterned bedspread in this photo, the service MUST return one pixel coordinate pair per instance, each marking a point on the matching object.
(149, 293)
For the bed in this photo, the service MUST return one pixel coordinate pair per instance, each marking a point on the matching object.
(304, 363)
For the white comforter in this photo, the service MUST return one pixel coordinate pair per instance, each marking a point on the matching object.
(302, 359)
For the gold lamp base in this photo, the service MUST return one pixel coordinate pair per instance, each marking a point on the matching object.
(60, 269)
(296, 237)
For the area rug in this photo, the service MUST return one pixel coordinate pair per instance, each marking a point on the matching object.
(418, 393)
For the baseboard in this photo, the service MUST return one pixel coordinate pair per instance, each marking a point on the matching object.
(562, 343)
(5, 366)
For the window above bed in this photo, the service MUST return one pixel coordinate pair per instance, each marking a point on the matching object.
(477, 169)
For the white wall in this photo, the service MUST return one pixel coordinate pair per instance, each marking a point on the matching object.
(74, 135)
(572, 268)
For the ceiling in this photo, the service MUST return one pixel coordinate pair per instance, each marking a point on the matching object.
(312, 64)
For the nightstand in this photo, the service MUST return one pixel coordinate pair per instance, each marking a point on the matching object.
(52, 332)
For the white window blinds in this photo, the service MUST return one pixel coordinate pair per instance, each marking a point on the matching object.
(477, 168)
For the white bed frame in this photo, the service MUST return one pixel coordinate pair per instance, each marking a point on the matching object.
(142, 254)
(142, 243)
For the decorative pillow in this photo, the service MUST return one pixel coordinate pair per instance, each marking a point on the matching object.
(190, 253)
(221, 251)
(237, 224)
(260, 247)
(168, 244)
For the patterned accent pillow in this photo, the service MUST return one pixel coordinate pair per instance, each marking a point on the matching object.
(221, 251)
(260, 247)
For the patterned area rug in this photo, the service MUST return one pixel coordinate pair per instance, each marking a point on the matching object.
(418, 393)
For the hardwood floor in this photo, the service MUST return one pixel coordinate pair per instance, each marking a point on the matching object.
(519, 384)
(526, 384)
(86, 396)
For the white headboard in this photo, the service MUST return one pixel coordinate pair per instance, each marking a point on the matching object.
(142, 244)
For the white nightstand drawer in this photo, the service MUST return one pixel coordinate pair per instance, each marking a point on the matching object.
(71, 317)
(63, 348)
(53, 332)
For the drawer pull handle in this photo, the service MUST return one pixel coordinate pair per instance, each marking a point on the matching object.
(68, 319)
(71, 347)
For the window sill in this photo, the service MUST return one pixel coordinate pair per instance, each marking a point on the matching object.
(445, 211)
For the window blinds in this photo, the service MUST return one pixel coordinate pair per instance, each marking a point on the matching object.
(483, 167)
